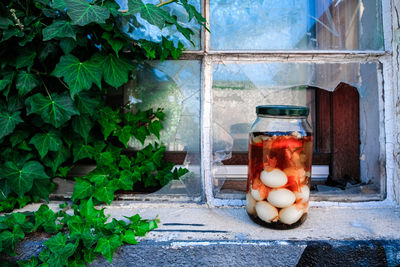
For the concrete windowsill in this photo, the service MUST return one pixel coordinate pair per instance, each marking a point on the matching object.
(188, 229)
(199, 222)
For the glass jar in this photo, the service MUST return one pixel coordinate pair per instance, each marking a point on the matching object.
(279, 171)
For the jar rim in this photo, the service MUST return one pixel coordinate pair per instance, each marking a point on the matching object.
(282, 110)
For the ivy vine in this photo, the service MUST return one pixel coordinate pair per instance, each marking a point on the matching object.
(59, 59)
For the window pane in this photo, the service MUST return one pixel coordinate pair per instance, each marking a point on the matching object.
(152, 33)
(239, 87)
(296, 25)
(175, 87)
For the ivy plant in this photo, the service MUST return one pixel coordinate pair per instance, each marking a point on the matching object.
(59, 59)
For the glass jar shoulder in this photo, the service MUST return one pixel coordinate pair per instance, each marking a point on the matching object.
(275, 124)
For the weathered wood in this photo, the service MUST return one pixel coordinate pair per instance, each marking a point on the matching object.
(323, 131)
(346, 133)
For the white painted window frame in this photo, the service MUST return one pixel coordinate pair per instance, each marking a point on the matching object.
(386, 90)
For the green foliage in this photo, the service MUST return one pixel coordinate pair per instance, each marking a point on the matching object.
(59, 61)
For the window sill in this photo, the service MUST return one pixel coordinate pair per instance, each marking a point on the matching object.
(187, 227)
(198, 222)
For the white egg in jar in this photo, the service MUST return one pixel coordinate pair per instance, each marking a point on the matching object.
(281, 198)
(291, 214)
(275, 178)
(266, 212)
(250, 204)
(303, 195)
(258, 194)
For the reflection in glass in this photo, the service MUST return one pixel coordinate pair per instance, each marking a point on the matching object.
(296, 25)
(175, 87)
(141, 29)
(239, 87)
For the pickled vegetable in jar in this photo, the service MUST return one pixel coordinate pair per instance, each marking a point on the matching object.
(279, 170)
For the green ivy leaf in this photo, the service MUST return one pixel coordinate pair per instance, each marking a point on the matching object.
(82, 125)
(63, 171)
(61, 251)
(59, 29)
(89, 255)
(46, 218)
(104, 159)
(55, 110)
(8, 121)
(82, 151)
(5, 22)
(107, 245)
(59, 4)
(6, 79)
(7, 34)
(134, 219)
(126, 180)
(129, 237)
(20, 180)
(142, 227)
(25, 59)
(116, 43)
(56, 243)
(83, 12)
(44, 2)
(26, 82)
(83, 189)
(78, 75)
(22, 201)
(116, 69)
(44, 142)
(140, 134)
(193, 13)
(87, 103)
(90, 213)
(32, 262)
(67, 45)
(155, 128)
(105, 192)
(56, 158)
(46, 50)
(125, 162)
(80, 229)
(104, 189)
(109, 120)
(44, 255)
(153, 14)
(124, 135)
(8, 239)
(76, 263)
(42, 188)
(14, 103)
(5, 190)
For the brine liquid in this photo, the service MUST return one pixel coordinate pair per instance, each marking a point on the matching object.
(290, 155)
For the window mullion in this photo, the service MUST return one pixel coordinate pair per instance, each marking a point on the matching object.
(206, 129)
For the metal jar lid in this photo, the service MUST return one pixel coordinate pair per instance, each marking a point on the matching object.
(282, 110)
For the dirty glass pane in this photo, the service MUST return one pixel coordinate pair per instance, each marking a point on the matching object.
(141, 29)
(239, 87)
(175, 87)
(296, 25)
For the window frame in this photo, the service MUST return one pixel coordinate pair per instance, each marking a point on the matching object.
(386, 108)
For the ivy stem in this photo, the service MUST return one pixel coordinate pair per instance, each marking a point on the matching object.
(47, 90)
(162, 3)
(38, 72)
(63, 83)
